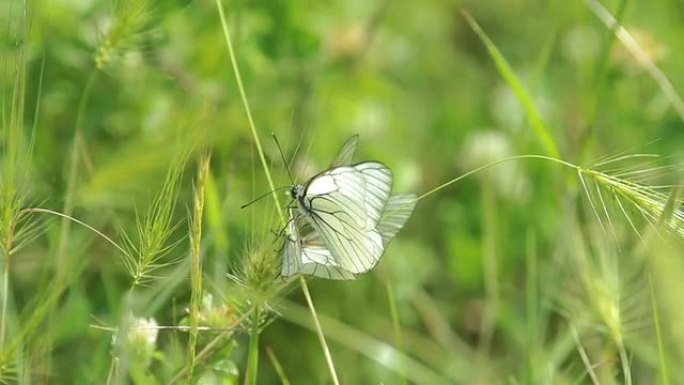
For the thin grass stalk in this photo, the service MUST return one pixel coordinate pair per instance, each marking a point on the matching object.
(584, 356)
(662, 361)
(624, 361)
(262, 157)
(376, 350)
(398, 340)
(5, 290)
(278, 367)
(245, 103)
(36, 113)
(494, 163)
(112, 371)
(196, 262)
(532, 307)
(639, 54)
(73, 164)
(61, 265)
(87, 226)
(319, 331)
(489, 267)
(545, 55)
(31, 323)
(600, 77)
(439, 329)
(211, 347)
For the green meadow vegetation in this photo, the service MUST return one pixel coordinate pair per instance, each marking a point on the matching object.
(544, 140)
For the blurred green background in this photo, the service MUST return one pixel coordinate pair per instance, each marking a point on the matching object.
(504, 277)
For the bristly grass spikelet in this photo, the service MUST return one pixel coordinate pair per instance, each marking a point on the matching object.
(603, 298)
(256, 278)
(154, 229)
(127, 27)
(630, 194)
(258, 272)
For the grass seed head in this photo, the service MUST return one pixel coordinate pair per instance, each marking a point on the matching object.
(259, 272)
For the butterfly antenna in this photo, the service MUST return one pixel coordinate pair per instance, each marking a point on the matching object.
(296, 150)
(282, 156)
(263, 196)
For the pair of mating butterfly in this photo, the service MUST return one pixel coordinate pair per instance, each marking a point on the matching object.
(343, 219)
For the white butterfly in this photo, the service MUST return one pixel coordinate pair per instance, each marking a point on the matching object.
(344, 219)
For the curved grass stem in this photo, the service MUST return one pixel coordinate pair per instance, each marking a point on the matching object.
(67, 217)
(494, 163)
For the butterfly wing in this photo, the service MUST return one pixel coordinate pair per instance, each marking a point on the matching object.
(317, 261)
(346, 153)
(316, 258)
(304, 255)
(344, 206)
(352, 216)
(397, 211)
(292, 249)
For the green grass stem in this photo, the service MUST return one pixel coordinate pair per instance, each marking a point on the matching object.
(253, 352)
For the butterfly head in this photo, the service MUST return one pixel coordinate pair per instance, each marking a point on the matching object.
(295, 191)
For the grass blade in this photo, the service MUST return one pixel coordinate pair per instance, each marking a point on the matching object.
(661, 350)
(398, 341)
(505, 70)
